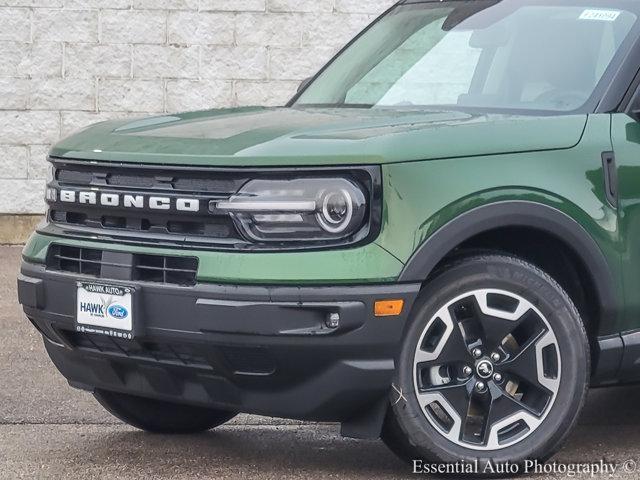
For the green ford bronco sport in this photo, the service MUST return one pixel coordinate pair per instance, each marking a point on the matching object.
(437, 241)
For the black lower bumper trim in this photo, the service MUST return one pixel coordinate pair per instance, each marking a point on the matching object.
(274, 351)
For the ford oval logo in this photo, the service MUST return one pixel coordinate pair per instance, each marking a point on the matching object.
(117, 311)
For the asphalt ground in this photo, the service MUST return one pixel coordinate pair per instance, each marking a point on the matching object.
(49, 430)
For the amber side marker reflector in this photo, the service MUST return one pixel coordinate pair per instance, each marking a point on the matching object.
(388, 308)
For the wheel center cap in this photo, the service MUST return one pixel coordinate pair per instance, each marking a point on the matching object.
(484, 369)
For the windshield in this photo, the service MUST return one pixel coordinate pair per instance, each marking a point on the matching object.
(522, 55)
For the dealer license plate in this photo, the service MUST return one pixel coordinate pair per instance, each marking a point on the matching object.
(105, 309)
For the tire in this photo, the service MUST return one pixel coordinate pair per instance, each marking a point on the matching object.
(544, 326)
(157, 416)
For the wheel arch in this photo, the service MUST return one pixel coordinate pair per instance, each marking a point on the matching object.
(534, 217)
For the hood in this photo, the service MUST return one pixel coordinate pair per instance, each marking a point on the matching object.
(314, 136)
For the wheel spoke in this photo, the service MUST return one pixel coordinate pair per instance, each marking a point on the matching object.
(451, 347)
(457, 396)
(495, 330)
(496, 324)
(501, 408)
(455, 350)
(526, 364)
(454, 400)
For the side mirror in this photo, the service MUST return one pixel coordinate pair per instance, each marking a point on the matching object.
(634, 113)
(304, 84)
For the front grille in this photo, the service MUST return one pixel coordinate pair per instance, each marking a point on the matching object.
(84, 261)
(161, 269)
(175, 354)
(123, 266)
(201, 227)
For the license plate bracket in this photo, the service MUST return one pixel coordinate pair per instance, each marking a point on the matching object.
(105, 309)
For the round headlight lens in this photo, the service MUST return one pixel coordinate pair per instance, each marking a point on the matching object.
(337, 211)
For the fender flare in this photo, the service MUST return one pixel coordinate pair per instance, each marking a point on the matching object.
(517, 214)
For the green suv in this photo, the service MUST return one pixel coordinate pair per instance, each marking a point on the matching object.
(437, 241)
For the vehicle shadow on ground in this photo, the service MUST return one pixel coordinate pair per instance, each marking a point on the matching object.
(247, 451)
(314, 451)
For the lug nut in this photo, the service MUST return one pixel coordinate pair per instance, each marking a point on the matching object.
(495, 357)
(477, 352)
(480, 387)
(467, 371)
(497, 378)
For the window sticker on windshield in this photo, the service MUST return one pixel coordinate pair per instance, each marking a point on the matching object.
(601, 15)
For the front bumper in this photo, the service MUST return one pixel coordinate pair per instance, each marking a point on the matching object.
(262, 350)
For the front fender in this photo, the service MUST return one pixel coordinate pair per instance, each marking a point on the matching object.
(517, 214)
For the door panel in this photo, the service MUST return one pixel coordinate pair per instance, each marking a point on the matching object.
(625, 137)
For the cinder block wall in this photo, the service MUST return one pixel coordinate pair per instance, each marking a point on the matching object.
(65, 64)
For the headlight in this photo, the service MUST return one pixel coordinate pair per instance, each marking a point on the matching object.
(298, 209)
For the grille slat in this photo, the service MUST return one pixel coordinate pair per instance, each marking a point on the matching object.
(61, 257)
(136, 178)
(177, 270)
(144, 268)
(213, 227)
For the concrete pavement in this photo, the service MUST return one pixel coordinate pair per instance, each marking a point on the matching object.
(48, 430)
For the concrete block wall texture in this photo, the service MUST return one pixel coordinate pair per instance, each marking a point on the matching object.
(65, 64)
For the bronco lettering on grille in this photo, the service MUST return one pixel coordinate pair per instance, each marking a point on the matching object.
(130, 201)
